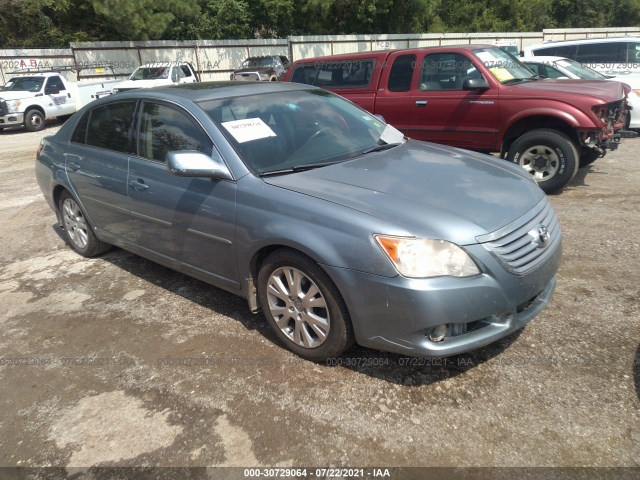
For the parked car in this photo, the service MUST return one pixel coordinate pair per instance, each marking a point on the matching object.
(268, 68)
(159, 74)
(512, 48)
(565, 68)
(617, 56)
(31, 99)
(333, 223)
(481, 98)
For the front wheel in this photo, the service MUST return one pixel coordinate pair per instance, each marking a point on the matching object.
(77, 229)
(34, 120)
(548, 155)
(303, 306)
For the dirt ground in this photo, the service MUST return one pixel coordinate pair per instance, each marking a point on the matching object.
(116, 361)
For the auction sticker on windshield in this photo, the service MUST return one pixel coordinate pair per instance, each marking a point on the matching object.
(248, 129)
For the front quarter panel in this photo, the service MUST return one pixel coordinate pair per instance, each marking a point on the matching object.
(328, 233)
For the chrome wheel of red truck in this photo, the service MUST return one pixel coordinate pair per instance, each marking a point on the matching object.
(548, 155)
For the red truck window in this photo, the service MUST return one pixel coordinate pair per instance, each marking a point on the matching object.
(401, 73)
(446, 71)
(337, 74)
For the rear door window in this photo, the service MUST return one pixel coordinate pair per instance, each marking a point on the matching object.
(402, 73)
(598, 53)
(111, 127)
(338, 74)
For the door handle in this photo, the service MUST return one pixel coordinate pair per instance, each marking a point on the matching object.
(73, 166)
(138, 185)
(421, 103)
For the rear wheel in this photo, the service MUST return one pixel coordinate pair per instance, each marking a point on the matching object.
(34, 120)
(78, 232)
(303, 306)
(548, 155)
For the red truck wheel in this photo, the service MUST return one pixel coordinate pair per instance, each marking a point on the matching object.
(549, 155)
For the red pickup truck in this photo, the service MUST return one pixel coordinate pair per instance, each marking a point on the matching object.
(480, 98)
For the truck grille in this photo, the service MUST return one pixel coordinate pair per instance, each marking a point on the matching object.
(526, 243)
(3, 108)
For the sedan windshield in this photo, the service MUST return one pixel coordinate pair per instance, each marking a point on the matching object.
(579, 70)
(506, 68)
(25, 84)
(297, 130)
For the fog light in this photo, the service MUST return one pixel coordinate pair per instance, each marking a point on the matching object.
(438, 333)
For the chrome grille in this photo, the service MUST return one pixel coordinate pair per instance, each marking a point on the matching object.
(3, 108)
(519, 246)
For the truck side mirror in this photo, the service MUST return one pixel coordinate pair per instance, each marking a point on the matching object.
(475, 84)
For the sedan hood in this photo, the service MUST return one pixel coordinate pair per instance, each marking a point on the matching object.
(429, 190)
(550, 88)
(16, 94)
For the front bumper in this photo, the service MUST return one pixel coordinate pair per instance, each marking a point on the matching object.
(396, 314)
(12, 119)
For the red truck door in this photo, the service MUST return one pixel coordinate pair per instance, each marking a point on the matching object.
(434, 106)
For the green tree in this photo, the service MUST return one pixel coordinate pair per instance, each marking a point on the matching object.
(272, 18)
(220, 19)
(143, 19)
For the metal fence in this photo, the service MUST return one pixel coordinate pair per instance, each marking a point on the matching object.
(216, 59)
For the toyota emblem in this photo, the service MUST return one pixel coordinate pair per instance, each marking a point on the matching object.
(540, 236)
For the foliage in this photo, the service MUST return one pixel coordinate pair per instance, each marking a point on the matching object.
(55, 23)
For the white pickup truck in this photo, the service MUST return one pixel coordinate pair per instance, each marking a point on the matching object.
(32, 99)
(159, 74)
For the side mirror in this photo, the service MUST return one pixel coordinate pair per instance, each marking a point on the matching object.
(475, 84)
(191, 163)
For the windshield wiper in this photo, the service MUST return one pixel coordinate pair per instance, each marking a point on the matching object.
(298, 168)
(513, 81)
(376, 148)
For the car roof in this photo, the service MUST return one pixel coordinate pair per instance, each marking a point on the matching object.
(199, 92)
(576, 41)
(384, 53)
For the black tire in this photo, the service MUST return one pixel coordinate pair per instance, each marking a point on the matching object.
(588, 156)
(338, 337)
(78, 232)
(34, 120)
(549, 155)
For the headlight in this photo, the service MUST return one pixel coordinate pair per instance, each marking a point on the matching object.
(13, 106)
(264, 76)
(422, 258)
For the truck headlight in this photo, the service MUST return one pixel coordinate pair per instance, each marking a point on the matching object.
(13, 106)
(264, 76)
(423, 258)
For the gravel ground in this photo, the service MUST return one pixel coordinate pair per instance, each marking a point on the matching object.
(116, 361)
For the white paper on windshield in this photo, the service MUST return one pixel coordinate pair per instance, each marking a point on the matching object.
(486, 56)
(391, 134)
(248, 129)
